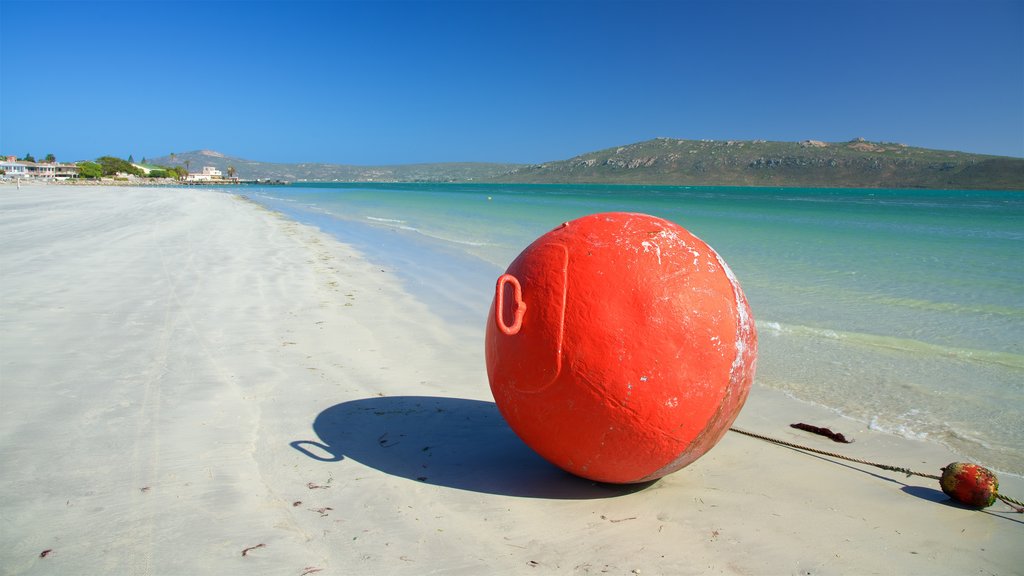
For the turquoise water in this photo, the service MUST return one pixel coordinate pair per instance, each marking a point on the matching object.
(902, 309)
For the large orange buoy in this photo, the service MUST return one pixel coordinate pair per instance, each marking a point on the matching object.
(620, 347)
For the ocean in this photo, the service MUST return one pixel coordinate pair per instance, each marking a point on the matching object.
(900, 309)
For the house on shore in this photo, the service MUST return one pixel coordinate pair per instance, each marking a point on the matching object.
(14, 168)
(209, 175)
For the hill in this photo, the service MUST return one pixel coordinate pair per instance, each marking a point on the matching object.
(854, 164)
(319, 172)
(666, 161)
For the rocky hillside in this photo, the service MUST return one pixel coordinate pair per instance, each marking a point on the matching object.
(811, 163)
(854, 164)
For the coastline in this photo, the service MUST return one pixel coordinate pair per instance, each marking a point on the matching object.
(107, 181)
(175, 363)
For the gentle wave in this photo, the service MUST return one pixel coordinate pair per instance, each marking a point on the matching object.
(950, 307)
(908, 345)
(403, 225)
(453, 240)
(901, 430)
(851, 295)
(998, 459)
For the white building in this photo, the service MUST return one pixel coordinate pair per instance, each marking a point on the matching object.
(208, 174)
(14, 168)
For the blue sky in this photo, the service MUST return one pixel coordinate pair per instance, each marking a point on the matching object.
(400, 82)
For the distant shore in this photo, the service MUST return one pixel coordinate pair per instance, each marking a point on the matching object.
(856, 163)
(185, 371)
(144, 182)
(138, 182)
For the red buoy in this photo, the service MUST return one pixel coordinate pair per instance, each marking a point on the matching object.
(620, 347)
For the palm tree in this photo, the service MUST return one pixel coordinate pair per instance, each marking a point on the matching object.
(187, 164)
(231, 171)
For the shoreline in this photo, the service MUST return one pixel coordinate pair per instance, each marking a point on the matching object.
(134, 182)
(166, 182)
(441, 272)
(176, 362)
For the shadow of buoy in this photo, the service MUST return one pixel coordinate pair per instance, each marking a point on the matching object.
(452, 442)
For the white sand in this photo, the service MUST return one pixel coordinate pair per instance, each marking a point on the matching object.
(184, 375)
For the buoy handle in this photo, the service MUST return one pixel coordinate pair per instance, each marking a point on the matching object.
(499, 305)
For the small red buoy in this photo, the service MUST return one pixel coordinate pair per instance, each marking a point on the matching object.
(970, 484)
(620, 347)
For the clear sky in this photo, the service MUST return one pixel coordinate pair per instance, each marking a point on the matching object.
(530, 81)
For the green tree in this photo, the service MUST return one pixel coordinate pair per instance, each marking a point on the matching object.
(51, 158)
(131, 159)
(158, 173)
(187, 164)
(29, 158)
(112, 165)
(89, 170)
(232, 171)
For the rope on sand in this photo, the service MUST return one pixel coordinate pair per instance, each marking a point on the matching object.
(1012, 502)
(906, 471)
(1016, 504)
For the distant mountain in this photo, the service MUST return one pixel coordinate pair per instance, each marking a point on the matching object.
(811, 163)
(317, 172)
(854, 164)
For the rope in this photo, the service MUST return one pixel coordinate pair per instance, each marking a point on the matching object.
(1016, 504)
(906, 471)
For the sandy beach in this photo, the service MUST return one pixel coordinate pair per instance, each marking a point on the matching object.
(192, 384)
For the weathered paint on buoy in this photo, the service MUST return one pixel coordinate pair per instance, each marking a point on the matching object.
(620, 347)
(969, 484)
